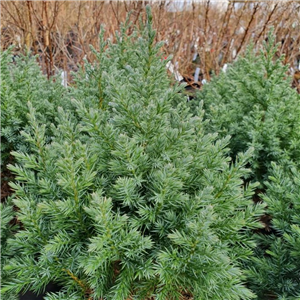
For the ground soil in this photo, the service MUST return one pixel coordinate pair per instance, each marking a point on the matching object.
(6, 190)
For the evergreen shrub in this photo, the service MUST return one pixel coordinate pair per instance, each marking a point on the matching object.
(21, 81)
(254, 103)
(130, 198)
(275, 270)
(8, 228)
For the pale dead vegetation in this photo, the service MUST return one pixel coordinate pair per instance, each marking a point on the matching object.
(61, 31)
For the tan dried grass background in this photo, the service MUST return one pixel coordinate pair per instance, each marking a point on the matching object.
(61, 31)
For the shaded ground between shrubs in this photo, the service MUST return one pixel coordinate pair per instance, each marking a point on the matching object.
(6, 191)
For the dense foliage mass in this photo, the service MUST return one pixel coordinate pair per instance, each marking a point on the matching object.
(23, 81)
(8, 228)
(275, 269)
(122, 191)
(129, 198)
(254, 104)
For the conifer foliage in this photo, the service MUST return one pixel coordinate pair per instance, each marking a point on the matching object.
(22, 81)
(275, 269)
(7, 230)
(130, 199)
(254, 103)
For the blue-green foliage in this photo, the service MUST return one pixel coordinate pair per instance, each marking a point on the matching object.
(275, 269)
(254, 103)
(8, 228)
(22, 81)
(130, 198)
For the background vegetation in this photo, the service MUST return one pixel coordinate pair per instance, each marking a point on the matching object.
(61, 31)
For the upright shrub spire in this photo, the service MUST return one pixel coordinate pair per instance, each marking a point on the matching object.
(22, 81)
(131, 198)
(275, 268)
(255, 104)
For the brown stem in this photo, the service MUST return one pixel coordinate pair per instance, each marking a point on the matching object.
(247, 30)
(266, 23)
(221, 34)
(16, 23)
(115, 14)
(225, 57)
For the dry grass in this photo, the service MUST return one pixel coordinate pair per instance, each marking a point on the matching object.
(61, 31)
